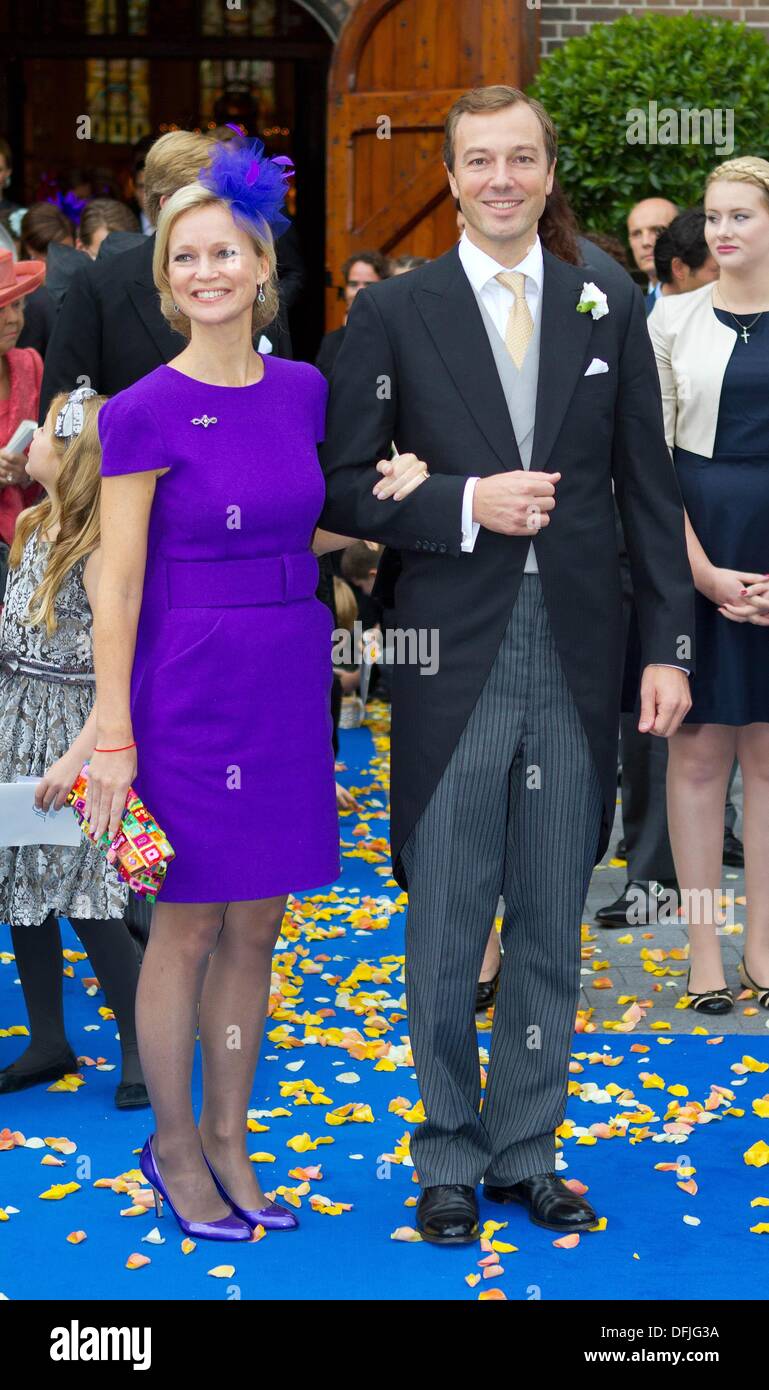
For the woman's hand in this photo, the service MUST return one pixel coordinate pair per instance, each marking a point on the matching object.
(110, 776)
(401, 475)
(725, 586)
(13, 469)
(753, 604)
(56, 783)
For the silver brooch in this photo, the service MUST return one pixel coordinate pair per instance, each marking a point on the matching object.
(205, 420)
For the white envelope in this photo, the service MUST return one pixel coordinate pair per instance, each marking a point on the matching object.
(22, 824)
(597, 365)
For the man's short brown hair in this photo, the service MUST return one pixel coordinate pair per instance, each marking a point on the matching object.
(495, 99)
(174, 160)
(378, 262)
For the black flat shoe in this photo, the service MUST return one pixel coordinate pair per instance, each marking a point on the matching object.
(131, 1095)
(11, 1080)
(448, 1214)
(711, 1001)
(620, 850)
(639, 904)
(734, 853)
(486, 993)
(550, 1203)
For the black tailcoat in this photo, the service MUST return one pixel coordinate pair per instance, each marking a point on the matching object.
(416, 367)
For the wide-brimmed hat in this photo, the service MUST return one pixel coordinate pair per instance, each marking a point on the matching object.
(18, 278)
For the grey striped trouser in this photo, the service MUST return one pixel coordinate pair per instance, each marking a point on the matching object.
(517, 811)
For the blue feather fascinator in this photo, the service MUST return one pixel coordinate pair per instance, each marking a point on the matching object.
(253, 185)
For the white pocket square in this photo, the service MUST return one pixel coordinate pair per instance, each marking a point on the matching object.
(597, 365)
(265, 345)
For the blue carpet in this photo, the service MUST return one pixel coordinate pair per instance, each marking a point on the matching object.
(646, 1251)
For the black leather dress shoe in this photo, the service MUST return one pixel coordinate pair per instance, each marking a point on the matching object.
(131, 1095)
(486, 993)
(734, 853)
(549, 1201)
(641, 902)
(448, 1214)
(17, 1080)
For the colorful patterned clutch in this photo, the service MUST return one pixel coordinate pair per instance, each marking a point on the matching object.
(140, 851)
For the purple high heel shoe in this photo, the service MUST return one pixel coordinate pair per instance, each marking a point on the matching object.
(232, 1227)
(272, 1218)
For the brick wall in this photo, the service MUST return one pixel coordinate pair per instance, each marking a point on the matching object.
(560, 21)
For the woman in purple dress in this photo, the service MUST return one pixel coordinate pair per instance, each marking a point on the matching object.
(213, 672)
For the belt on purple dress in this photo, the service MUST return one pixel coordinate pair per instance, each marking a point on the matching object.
(242, 582)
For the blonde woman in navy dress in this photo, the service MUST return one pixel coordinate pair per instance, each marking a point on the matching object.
(213, 672)
(712, 349)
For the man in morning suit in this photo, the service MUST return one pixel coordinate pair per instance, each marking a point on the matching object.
(526, 411)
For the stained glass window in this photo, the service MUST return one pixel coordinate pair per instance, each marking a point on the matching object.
(255, 77)
(254, 17)
(103, 16)
(118, 99)
(117, 89)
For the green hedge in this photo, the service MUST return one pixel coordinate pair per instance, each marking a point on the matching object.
(591, 83)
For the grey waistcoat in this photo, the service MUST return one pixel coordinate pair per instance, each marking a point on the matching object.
(520, 388)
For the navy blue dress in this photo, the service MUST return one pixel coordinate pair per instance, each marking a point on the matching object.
(727, 499)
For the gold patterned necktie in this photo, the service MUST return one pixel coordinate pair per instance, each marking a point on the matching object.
(519, 320)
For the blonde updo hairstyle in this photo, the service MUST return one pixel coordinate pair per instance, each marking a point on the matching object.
(747, 169)
(195, 195)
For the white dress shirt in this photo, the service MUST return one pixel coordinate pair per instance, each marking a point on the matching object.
(481, 270)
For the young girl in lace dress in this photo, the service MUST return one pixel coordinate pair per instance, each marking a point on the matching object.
(47, 730)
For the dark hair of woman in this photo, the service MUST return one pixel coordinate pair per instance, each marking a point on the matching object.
(684, 238)
(559, 229)
(41, 224)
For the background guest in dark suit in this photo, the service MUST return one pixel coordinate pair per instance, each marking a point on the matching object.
(645, 221)
(43, 226)
(100, 217)
(361, 269)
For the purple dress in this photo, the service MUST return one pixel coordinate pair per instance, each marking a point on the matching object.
(231, 681)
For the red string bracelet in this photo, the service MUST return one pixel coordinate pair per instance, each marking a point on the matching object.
(115, 750)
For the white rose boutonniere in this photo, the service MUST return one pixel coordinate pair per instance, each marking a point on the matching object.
(593, 301)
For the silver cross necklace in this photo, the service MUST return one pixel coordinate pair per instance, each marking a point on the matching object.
(743, 326)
